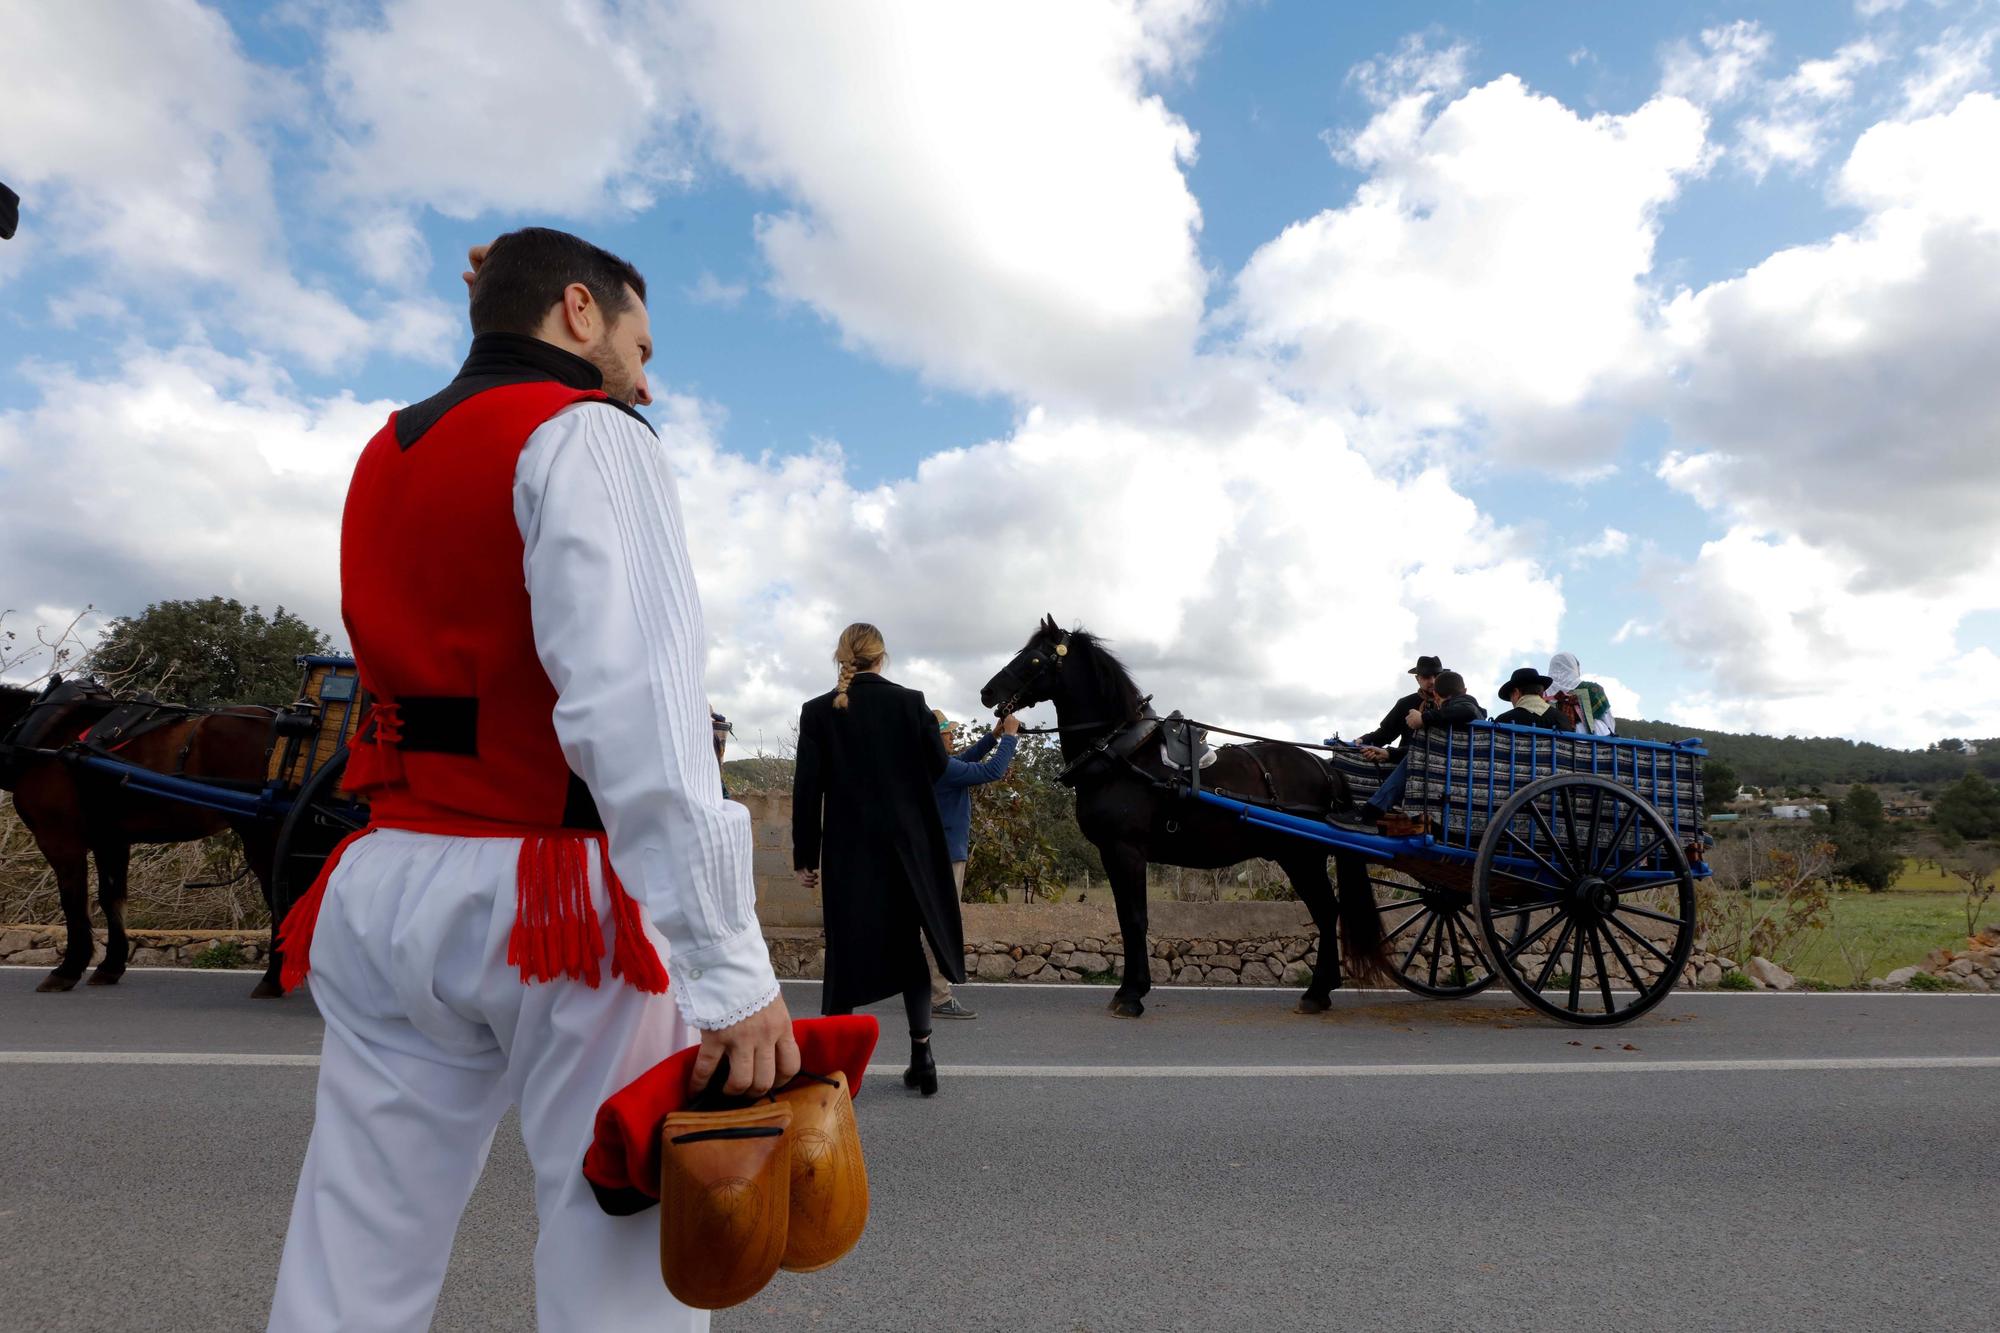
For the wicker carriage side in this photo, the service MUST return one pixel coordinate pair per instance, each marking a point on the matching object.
(311, 731)
(1460, 775)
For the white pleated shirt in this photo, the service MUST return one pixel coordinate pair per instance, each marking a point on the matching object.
(618, 625)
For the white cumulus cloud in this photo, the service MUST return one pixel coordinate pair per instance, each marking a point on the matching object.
(995, 200)
(1492, 270)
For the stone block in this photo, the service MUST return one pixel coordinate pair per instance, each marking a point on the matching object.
(36, 958)
(1030, 965)
(1161, 971)
(1220, 976)
(1189, 975)
(1767, 973)
(1256, 974)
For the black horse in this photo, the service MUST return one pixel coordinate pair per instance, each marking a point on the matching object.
(1113, 744)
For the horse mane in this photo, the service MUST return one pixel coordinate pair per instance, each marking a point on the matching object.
(1107, 673)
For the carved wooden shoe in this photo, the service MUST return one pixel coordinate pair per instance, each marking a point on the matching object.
(829, 1206)
(725, 1202)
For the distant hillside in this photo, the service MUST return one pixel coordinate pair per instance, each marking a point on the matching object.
(1760, 761)
(1796, 761)
(767, 773)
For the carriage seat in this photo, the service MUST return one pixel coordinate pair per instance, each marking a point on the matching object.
(1184, 745)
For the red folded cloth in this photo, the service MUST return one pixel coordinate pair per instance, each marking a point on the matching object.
(623, 1164)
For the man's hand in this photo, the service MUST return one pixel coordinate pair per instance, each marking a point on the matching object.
(475, 257)
(1374, 752)
(762, 1054)
(1414, 719)
(808, 879)
(1010, 725)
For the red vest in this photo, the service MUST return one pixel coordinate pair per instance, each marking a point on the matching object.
(436, 607)
(461, 739)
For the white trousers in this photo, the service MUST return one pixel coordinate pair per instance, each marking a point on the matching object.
(430, 1036)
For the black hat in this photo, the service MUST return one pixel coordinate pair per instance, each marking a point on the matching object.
(1524, 678)
(10, 213)
(1427, 666)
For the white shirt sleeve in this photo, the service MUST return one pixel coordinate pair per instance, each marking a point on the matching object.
(619, 629)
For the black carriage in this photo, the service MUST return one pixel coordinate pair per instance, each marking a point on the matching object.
(1563, 864)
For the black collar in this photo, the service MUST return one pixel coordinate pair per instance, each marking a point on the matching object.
(517, 353)
(498, 359)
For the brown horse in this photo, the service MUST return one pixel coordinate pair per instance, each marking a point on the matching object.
(74, 812)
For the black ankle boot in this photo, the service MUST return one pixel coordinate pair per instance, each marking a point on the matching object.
(922, 1073)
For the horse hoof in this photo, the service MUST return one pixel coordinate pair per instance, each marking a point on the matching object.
(104, 976)
(1314, 1004)
(55, 983)
(267, 989)
(1127, 1008)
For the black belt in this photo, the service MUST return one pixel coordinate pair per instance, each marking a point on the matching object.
(449, 724)
(439, 724)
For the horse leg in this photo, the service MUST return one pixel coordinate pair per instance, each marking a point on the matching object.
(1309, 882)
(260, 851)
(72, 866)
(113, 858)
(1125, 866)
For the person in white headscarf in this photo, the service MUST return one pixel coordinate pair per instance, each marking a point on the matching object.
(1582, 701)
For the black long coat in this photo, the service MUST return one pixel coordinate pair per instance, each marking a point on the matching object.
(864, 816)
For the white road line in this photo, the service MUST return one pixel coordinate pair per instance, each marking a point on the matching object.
(1456, 1070)
(158, 1058)
(1891, 1064)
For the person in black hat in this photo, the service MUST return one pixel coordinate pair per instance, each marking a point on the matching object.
(1396, 724)
(1455, 708)
(1524, 690)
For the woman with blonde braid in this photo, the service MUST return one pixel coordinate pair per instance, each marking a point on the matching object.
(866, 832)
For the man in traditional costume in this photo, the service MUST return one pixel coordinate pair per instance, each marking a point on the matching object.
(548, 841)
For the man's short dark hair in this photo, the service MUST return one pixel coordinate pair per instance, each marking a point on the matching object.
(526, 271)
(1450, 685)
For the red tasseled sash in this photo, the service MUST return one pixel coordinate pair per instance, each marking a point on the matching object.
(556, 931)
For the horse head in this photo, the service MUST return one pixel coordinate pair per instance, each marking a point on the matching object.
(1033, 676)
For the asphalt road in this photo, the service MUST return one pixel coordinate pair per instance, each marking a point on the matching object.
(1730, 1161)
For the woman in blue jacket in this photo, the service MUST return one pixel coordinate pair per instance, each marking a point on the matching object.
(969, 768)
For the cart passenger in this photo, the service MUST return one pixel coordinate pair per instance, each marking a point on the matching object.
(1582, 701)
(1396, 727)
(1455, 708)
(1525, 690)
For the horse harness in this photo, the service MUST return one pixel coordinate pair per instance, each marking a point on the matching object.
(41, 728)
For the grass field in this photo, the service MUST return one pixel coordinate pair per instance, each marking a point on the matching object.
(1883, 931)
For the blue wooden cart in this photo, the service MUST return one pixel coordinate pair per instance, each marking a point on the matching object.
(1563, 864)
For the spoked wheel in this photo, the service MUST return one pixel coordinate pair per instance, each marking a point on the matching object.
(1432, 940)
(315, 824)
(1585, 899)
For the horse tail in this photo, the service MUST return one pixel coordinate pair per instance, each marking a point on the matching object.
(1362, 949)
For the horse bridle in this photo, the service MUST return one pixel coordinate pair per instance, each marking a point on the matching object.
(1053, 663)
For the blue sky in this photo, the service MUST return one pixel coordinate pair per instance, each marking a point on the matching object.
(1728, 593)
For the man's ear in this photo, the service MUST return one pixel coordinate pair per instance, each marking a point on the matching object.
(581, 315)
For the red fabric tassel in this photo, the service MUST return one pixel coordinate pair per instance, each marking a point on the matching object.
(295, 933)
(633, 957)
(556, 931)
(373, 757)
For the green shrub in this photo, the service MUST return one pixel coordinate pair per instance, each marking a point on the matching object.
(222, 953)
(1734, 980)
(1930, 981)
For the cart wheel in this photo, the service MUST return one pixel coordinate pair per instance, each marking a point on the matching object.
(1585, 898)
(1431, 939)
(319, 818)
